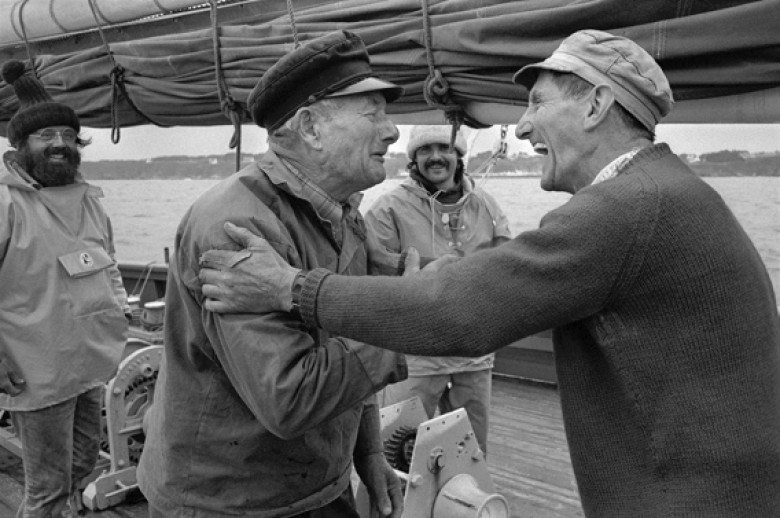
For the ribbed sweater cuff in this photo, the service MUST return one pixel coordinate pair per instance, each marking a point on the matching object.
(311, 286)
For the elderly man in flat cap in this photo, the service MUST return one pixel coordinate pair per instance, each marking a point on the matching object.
(667, 336)
(260, 415)
(62, 301)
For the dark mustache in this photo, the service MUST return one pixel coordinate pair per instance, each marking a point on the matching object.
(431, 163)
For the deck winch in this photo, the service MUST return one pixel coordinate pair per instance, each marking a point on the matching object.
(440, 463)
(129, 396)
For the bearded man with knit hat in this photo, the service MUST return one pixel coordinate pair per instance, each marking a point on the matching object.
(439, 210)
(62, 305)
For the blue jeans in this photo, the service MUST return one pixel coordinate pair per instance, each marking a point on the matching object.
(60, 446)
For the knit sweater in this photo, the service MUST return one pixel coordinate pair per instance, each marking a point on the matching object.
(666, 337)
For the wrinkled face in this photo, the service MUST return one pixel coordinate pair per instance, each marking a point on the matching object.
(356, 138)
(437, 162)
(552, 124)
(51, 155)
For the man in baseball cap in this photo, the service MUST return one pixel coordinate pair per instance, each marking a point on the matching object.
(260, 416)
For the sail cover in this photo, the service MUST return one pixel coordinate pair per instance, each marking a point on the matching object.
(154, 62)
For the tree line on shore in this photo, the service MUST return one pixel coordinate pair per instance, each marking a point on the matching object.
(721, 163)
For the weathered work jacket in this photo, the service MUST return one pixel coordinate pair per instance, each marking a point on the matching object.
(410, 216)
(667, 338)
(61, 295)
(258, 415)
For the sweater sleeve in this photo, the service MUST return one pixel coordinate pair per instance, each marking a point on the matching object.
(562, 272)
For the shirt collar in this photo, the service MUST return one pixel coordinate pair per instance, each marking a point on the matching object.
(326, 206)
(613, 168)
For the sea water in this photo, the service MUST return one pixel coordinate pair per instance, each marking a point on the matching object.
(145, 213)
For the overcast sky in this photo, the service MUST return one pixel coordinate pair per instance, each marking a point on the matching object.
(150, 141)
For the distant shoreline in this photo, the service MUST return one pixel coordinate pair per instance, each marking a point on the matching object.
(722, 163)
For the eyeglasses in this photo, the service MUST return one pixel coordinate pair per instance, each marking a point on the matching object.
(48, 135)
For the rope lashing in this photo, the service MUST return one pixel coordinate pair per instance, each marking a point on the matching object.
(118, 87)
(293, 27)
(436, 89)
(227, 102)
(27, 45)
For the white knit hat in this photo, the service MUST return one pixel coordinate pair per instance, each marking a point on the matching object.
(434, 134)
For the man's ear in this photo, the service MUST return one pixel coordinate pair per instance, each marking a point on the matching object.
(600, 101)
(308, 128)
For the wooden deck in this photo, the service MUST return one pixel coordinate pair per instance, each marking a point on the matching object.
(528, 458)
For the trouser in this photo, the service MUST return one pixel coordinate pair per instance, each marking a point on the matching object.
(469, 390)
(60, 446)
(341, 507)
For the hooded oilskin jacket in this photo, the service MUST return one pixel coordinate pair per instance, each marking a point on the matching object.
(259, 415)
(61, 296)
(410, 216)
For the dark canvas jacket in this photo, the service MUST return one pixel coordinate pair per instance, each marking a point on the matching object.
(258, 415)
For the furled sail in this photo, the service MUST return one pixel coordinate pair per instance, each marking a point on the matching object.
(158, 62)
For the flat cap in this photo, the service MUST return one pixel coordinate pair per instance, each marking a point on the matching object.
(598, 57)
(333, 65)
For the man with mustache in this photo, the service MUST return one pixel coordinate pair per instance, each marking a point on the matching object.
(63, 306)
(258, 415)
(439, 210)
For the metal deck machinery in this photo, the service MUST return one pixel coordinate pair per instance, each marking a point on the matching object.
(440, 464)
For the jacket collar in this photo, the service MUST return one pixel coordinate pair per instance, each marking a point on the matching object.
(414, 186)
(13, 175)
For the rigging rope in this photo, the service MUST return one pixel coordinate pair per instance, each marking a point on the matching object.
(227, 102)
(436, 89)
(293, 27)
(30, 53)
(117, 76)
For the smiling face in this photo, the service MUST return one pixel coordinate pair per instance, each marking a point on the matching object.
(552, 123)
(356, 134)
(437, 163)
(51, 155)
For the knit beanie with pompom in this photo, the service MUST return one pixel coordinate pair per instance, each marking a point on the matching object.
(36, 107)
